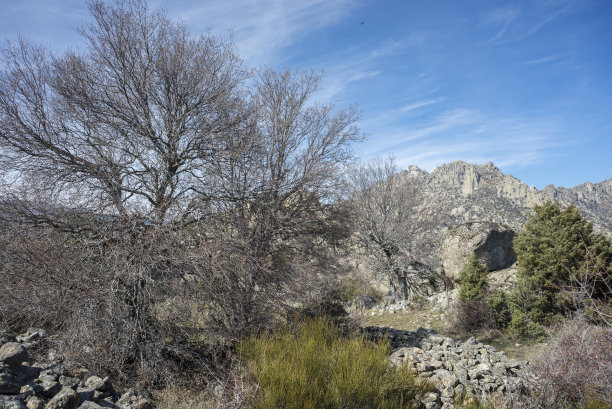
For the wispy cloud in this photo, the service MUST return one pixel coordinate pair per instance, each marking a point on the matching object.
(361, 62)
(262, 28)
(512, 23)
(501, 18)
(543, 60)
(470, 135)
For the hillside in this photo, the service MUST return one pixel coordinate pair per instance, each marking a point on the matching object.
(460, 192)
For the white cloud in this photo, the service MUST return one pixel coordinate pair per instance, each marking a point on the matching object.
(262, 28)
(470, 135)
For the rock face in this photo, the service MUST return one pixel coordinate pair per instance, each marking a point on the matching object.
(49, 386)
(455, 368)
(491, 242)
(460, 192)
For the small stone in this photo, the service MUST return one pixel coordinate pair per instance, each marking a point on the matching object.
(32, 334)
(13, 354)
(85, 394)
(482, 368)
(95, 382)
(69, 381)
(34, 402)
(50, 388)
(423, 367)
(437, 364)
(31, 389)
(437, 339)
(448, 392)
(90, 405)
(459, 390)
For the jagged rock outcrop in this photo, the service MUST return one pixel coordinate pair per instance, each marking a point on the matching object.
(460, 192)
(49, 385)
(491, 242)
(455, 368)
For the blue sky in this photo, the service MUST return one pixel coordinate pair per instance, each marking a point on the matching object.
(525, 84)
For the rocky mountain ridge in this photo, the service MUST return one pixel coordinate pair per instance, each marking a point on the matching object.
(460, 192)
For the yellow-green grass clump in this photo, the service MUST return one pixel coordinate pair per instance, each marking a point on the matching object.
(314, 366)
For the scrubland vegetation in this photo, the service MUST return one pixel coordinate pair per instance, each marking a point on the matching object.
(563, 296)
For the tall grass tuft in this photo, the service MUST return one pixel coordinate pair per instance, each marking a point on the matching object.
(313, 366)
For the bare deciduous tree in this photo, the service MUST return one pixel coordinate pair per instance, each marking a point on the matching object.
(130, 124)
(384, 227)
(198, 204)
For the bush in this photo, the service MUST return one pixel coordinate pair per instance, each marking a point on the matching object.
(313, 366)
(555, 250)
(472, 279)
(523, 326)
(497, 303)
(575, 369)
(471, 311)
(471, 315)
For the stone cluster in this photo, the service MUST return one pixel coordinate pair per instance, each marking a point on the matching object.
(50, 386)
(457, 369)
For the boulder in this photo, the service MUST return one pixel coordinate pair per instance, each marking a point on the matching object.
(13, 354)
(491, 242)
(414, 278)
(67, 398)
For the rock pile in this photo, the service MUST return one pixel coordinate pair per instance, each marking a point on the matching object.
(457, 369)
(50, 386)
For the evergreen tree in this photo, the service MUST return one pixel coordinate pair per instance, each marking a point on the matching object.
(472, 279)
(556, 249)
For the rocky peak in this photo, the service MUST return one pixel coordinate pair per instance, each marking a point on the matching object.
(461, 192)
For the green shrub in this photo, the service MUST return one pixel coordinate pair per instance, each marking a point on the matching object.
(555, 251)
(313, 366)
(522, 325)
(472, 279)
(497, 303)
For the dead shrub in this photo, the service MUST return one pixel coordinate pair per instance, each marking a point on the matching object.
(575, 369)
(471, 315)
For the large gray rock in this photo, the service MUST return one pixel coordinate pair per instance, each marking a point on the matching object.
(13, 354)
(491, 242)
(67, 398)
